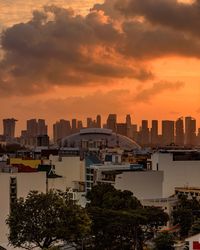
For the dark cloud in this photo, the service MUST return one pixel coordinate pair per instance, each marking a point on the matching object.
(57, 47)
(146, 95)
(170, 13)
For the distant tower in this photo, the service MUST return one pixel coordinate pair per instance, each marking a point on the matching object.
(42, 127)
(190, 131)
(89, 122)
(74, 125)
(9, 127)
(179, 128)
(129, 126)
(144, 133)
(112, 122)
(154, 132)
(167, 132)
(98, 121)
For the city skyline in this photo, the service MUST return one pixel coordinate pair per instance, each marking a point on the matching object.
(169, 129)
(92, 65)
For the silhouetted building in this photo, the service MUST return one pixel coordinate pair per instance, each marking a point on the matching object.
(61, 129)
(129, 126)
(179, 127)
(112, 122)
(43, 141)
(98, 121)
(32, 127)
(167, 132)
(79, 125)
(89, 122)
(42, 127)
(190, 131)
(74, 124)
(122, 129)
(154, 132)
(144, 133)
(9, 128)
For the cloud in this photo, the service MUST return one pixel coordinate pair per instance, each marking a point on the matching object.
(60, 48)
(57, 47)
(146, 95)
(174, 14)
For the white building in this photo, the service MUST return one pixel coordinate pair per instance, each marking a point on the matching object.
(181, 168)
(15, 185)
(143, 184)
(72, 172)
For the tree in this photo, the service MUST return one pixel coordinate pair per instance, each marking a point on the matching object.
(164, 241)
(195, 229)
(119, 220)
(41, 220)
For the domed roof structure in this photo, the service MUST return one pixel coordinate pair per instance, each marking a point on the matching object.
(97, 137)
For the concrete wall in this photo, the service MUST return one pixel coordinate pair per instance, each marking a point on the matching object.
(26, 182)
(176, 173)
(70, 168)
(143, 184)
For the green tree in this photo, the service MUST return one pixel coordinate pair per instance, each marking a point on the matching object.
(195, 229)
(187, 212)
(119, 220)
(164, 241)
(41, 220)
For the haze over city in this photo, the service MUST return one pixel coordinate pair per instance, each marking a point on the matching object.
(113, 57)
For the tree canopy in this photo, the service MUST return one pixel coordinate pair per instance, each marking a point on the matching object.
(118, 219)
(41, 220)
(164, 241)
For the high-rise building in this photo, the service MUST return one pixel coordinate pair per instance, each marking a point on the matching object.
(98, 121)
(61, 129)
(144, 133)
(154, 132)
(32, 127)
(74, 124)
(190, 131)
(179, 128)
(122, 129)
(129, 126)
(89, 122)
(42, 127)
(79, 125)
(112, 122)
(9, 128)
(167, 132)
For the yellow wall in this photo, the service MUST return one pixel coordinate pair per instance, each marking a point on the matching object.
(30, 163)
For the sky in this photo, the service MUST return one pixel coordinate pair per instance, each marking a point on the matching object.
(78, 58)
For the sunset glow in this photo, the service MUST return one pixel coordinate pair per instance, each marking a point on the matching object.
(137, 57)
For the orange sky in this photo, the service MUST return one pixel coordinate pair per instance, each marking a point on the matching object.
(141, 58)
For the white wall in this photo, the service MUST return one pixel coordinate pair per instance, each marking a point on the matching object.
(143, 184)
(26, 182)
(70, 168)
(176, 173)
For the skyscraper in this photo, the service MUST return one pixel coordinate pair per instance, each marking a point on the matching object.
(61, 129)
(144, 133)
(89, 122)
(42, 127)
(190, 131)
(179, 128)
(32, 128)
(9, 128)
(98, 121)
(154, 132)
(129, 126)
(167, 132)
(112, 122)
